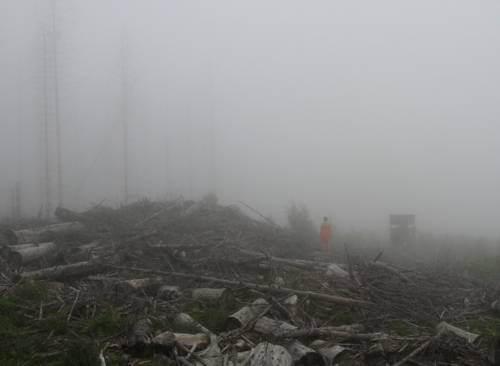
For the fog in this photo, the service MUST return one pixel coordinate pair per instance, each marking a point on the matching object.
(355, 109)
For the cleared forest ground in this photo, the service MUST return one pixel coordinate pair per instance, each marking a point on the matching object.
(196, 283)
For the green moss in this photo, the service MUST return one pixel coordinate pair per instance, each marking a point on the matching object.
(402, 328)
(345, 318)
(108, 323)
(55, 323)
(490, 328)
(30, 291)
(26, 340)
(80, 352)
(213, 318)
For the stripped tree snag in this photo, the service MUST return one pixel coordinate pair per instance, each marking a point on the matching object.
(445, 328)
(268, 326)
(304, 356)
(280, 290)
(61, 272)
(168, 339)
(140, 334)
(43, 234)
(267, 354)
(169, 292)
(212, 295)
(247, 314)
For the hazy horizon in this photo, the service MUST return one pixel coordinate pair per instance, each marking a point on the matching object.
(355, 109)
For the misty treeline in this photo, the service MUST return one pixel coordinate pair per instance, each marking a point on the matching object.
(228, 98)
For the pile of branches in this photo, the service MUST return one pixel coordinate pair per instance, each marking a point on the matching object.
(197, 283)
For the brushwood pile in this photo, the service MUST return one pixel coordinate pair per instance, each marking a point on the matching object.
(195, 283)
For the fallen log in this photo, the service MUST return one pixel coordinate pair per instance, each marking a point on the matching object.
(298, 263)
(140, 334)
(336, 270)
(390, 269)
(414, 353)
(168, 339)
(444, 328)
(280, 290)
(186, 320)
(6, 250)
(303, 355)
(167, 292)
(290, 304)
(26, 254)
(346, 332)
(42, 234)
(64, 271)
(330, 353)
(267, 354)
(247, 314)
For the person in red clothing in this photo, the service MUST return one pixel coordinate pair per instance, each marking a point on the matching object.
(325, 235)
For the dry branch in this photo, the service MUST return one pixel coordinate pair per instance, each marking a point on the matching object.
(65, 271)
(280, 290)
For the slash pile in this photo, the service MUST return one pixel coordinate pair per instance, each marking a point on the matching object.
(199, 284)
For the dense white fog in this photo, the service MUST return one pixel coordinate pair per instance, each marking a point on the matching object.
(355, 109)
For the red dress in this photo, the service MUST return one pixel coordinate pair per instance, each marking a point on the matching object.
(325, 235)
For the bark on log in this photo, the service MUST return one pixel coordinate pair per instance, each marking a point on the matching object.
(140, 334)
(65, 271)
(281, 290)
(330, 354)
(46, 233)
(304, 356)
(247, 314)
(267, 354)
(169, 292)
(268, 326)
(28, 254)
(184, 319)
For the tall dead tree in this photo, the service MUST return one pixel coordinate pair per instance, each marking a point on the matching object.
(51, 121)
(57, 122)
(45, 128)
(124, 114)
